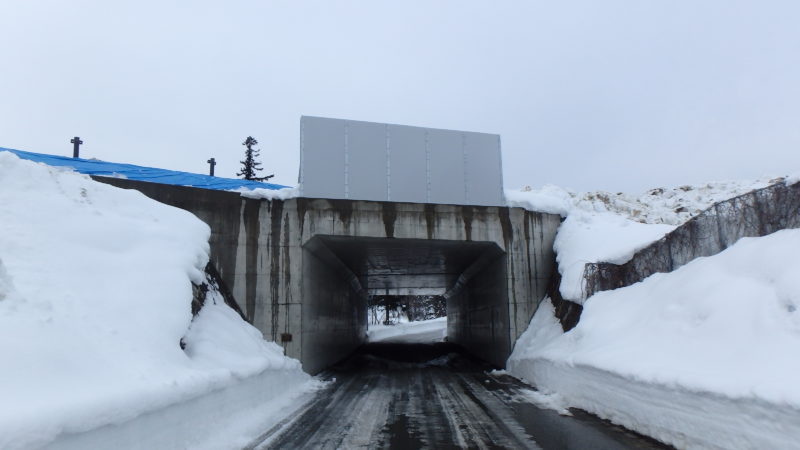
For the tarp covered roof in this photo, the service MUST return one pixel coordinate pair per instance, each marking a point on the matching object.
(140, 173)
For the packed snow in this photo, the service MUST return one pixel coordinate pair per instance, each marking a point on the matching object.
(705, 356)
(269, 194)
(418, 332)
(612, 227)
(586, 237)
(671, 206)
(552, 401)
(95, 293)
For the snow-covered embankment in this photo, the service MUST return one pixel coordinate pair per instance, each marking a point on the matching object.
(95, 293)
(702, 357)
(419, 332)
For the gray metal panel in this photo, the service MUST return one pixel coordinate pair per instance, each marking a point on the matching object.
(446, 167)
(482, 168)
(408, 164)
(366, 156)
(372, 161)
(322, 157)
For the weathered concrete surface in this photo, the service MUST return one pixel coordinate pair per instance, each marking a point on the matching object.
(754, 214)
(301, 269)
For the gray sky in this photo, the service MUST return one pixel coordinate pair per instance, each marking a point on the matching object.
(612, 94)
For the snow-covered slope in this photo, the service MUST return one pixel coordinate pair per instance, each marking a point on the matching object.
(95, 292)
(671, 206)
(419, 332)
(611, 227)
(703, 357)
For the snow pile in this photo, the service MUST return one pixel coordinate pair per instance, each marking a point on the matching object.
(95, 292)
(548, 199)
(268, 194)
(671, 206)
(705, 356)
(550, 401)
(419, 332)
(606, 227)
(593, 237)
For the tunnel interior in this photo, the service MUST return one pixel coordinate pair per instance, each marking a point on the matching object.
(340, 273)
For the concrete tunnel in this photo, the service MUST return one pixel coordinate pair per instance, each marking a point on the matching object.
(339, 272)
(383, 209)
(301, 269)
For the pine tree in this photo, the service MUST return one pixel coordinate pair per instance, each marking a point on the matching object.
(250, 165)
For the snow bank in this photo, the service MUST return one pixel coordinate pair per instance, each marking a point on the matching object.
(586, 237)
(671, 206)
(611, 227)
(95, 292)
(422, 331)
(269, 194)
(549, 199)
(704, 356)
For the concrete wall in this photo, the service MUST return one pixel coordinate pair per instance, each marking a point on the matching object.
(295, 292)
(478, 311)
(757, 213)
(334, 320)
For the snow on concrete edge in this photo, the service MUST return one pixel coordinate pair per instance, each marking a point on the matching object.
(268, 194)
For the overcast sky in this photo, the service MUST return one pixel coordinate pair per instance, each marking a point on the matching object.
(614, 95)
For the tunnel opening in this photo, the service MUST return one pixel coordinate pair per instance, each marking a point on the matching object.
(397, 309)
(343, 275)
(414, 319)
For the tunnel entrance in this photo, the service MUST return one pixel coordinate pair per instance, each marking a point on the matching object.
(341, 274)
(395, 309)
(419, 319)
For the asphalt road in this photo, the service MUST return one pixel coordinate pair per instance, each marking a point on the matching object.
(408, 396)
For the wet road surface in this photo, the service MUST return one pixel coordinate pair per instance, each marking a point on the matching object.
(407, 396)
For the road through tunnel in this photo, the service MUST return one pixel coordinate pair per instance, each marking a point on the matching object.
(342, 272)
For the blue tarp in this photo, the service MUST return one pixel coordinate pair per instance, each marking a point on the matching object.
(151, 174)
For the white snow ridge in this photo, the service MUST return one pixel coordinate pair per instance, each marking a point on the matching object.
(703, 357)
(95, 293)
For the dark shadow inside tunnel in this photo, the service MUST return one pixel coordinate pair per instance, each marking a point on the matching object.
(387, 357)
(341, 273)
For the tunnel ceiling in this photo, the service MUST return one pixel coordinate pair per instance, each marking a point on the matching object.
(407, 266)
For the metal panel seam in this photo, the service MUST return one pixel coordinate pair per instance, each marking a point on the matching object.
(346, 162)
(388, 165)
(500, 165)
(466, 167)
(427, 168)
(302, 161)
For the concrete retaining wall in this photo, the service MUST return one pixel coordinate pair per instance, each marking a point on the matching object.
(478, 311)
(754, 214)
(334, 317)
